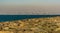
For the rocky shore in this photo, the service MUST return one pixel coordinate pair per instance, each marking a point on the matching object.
(34, 25)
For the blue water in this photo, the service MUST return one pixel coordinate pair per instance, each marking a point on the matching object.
(19, 17)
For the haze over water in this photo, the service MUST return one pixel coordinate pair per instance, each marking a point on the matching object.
(30, 7)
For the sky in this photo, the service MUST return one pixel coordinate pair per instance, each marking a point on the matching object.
(44, 7)
(30, 2)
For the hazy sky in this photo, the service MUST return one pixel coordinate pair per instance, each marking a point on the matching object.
(44, 7)
(29, 2)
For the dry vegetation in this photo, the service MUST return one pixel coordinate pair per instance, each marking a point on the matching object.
(35, 25)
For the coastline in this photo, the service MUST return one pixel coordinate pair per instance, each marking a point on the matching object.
(34, 25)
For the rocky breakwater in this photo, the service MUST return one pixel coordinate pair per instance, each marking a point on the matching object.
(34, 25)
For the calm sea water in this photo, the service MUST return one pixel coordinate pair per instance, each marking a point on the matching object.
(19, 17)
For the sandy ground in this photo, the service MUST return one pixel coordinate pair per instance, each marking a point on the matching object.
(5, 32)
(35, 25)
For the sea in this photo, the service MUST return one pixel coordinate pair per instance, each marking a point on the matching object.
(20, 17)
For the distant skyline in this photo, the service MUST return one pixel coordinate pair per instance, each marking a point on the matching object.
(30, 2)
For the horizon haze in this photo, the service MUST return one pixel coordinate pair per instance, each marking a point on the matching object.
(29, 7)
